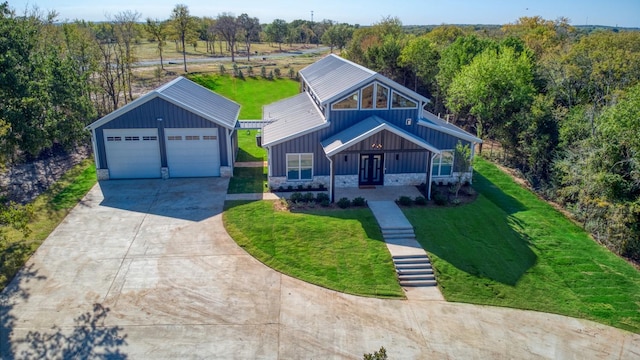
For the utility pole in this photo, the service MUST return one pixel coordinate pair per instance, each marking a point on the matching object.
(312, 16)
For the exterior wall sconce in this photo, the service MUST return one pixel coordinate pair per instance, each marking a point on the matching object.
(159, 119)
(397, 156)
(376, 146)
(408, 121)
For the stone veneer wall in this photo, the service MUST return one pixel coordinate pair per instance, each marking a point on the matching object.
(342, 181)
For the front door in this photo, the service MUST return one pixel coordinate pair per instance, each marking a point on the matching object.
(371, 169)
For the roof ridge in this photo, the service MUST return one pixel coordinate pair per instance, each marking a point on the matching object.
(354, 64)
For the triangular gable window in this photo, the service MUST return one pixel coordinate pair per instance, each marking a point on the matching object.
(350, 102)
(399, 101)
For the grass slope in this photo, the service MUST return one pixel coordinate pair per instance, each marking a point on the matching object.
(49, 210)
(511, 249)
(250, 93)
(341, 250)
(248, 150)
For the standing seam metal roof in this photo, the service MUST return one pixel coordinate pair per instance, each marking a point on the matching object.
(188, 95)
(332, 75)
(291, 116)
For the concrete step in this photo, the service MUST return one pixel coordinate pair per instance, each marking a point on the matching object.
(417, 277)
(411, 261)
(400, 237)
(413, 267)
(396, 229)
(414, 271)
(418, 283)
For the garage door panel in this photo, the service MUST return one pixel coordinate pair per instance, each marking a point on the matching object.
(193, 152)
(132, 153)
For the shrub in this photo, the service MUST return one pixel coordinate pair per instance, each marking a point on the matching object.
(404, 201)
(325, 203)
(250, 71)
(240, 75)
(290, 187)
(280, 188)
(276, 72)
(420, 200)
(292, 73)
(270, 76)
(359, 201)
(321, 197)
(263, 72)
(300, 186)
(456, 201)
(440, 199)
(344, 203)
(308, 197)
(222, 70)
(321, 186)
(296, 197)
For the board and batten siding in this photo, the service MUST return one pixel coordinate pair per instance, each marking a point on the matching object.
(146, 116)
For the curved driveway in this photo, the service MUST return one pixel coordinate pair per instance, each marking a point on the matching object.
(145, 269)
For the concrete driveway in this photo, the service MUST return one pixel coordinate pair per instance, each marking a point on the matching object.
(144, 269)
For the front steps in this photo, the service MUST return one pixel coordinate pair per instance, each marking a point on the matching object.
(412, 265)
(414, 270)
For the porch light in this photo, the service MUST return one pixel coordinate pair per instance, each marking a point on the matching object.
(408, 121)
(345, 158)
(397, 156)
(376, 146)
(159, 119)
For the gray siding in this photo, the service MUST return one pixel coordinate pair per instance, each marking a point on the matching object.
(146, 115)
(439, 139)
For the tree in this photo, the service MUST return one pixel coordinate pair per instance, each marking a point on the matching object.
(126, 32)
(492, 88)
(277, 32)
(422, 58)
(337, 36)
(227, 27)
(461, 164)
(158, 31)
(184, 26)
(250, 28)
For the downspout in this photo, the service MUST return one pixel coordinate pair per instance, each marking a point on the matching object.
(430, 166)
(331, 180)
(229, 151)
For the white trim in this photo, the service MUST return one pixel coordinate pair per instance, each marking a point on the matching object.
(293, 136)
(458, 134)
(404, 96)
(229, 150)
(358, 94)
(430, 165)
(453, 161)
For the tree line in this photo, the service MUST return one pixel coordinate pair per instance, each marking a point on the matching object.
(562, 104)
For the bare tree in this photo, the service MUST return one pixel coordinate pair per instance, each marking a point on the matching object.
(250, 28)
(126, 32)
(158, 29)
(227, 27)
(184, 25)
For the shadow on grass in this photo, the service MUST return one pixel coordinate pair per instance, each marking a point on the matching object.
(244, 156)
(482, 239)
(247, 181)
(89, 338)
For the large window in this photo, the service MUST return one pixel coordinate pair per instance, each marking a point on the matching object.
(401, 102)
(350, 102)
(442, 164)
(299, 167)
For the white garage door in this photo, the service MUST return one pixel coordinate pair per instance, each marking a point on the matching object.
(132, 153)
(193, 152)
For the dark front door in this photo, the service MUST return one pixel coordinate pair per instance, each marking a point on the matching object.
(371, 169)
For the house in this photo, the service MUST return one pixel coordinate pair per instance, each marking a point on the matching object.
(180, 129)
(351, 126)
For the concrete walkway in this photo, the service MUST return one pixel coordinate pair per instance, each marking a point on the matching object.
(144, 269)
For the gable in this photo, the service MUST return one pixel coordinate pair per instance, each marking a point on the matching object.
(375, 96)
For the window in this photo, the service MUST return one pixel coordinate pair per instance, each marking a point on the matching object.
(192, 137)
(382, 97)
(367, 97)
(150, 138)
(443, 164)
(299, 167)
(400, 102)
(174, 137)
(131, 138)
(209, 137)
(350, 102)
(114, 138)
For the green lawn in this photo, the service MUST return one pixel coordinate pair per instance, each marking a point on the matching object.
(511, 249)
(341, 250)
(49, 210)
(251, 93)
(249, 151)
(248, 180)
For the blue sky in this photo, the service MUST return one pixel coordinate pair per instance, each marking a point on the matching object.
(624, 13)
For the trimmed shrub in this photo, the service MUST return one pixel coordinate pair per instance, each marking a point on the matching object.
(296, 197)
(308, 197)
(325, 203)
(405, 201)
(359, 201)
(344, 203)
(420, 200)
(322, 197)
(440, 199)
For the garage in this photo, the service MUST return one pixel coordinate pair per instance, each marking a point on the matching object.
(121, 144)
(192, 152)
(179, 130)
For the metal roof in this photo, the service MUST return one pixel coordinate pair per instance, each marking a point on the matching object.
(366, 128)
(291, 117)
(333, 75)
(188, 95)
(252, 124)
(432, 121)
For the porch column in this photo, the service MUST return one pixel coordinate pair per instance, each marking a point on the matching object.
(332, 182)
(430, 177)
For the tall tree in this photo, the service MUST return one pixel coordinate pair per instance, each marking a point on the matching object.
(421, 56)
(250, 29)
(126, 32)
(492, 88)
(184, 26)
(337, 36)
(227, 27)
(158, 30)
(277, 32)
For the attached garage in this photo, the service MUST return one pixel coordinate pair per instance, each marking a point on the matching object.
(178, 130)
